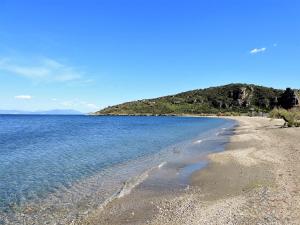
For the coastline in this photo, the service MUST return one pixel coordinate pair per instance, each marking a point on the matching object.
(164, 173)
(255, 181)
(172, 178)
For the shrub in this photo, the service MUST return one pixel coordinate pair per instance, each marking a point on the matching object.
(290, 117)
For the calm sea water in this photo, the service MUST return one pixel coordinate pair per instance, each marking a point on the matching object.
(79, 162)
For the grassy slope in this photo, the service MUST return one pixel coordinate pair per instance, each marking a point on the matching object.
(228, 98)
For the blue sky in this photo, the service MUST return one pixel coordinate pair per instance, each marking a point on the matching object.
(88, 54)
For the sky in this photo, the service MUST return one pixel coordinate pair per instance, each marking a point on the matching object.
(89, 54)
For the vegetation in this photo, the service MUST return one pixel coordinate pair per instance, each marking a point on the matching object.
(232, 99)
(291, 117)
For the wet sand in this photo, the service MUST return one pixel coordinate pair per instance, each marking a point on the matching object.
(255, 181)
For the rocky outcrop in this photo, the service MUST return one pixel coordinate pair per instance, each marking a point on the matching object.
(289, 99)
(241, 96)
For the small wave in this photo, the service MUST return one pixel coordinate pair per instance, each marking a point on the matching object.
(198, 141)
(129, 185)
(161, 165)
(132, 183)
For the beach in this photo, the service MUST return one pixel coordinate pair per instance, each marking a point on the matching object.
(255, 181)
(116, 159)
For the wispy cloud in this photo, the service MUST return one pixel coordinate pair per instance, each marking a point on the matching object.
(23, 97)
(43, 69)
(92, 106)
(257, 50)
(77, 103)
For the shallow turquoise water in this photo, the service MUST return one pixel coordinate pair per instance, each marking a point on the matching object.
(73, 157)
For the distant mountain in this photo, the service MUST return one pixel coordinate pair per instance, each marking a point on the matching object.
(48, 112)
(60, 112)
(11, 112)
(240, 98)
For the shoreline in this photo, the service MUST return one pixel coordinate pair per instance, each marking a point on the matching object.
(81, 200)
(168, 115)
(254, 181)
(163, 182)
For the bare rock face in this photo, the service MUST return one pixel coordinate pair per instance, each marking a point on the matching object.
(289, 99)
(241, 96)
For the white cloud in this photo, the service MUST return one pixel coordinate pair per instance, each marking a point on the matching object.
(257, 50)
(43, 69)
(23, 97)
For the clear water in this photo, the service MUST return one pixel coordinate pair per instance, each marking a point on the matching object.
(78, 162)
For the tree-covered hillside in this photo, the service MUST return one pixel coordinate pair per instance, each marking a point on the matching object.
(239, 98)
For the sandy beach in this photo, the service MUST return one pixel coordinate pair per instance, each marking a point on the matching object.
(255, 181)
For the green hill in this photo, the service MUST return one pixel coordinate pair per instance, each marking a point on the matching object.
(239, 98)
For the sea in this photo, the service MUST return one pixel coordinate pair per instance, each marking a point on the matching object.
(57, 169)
